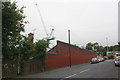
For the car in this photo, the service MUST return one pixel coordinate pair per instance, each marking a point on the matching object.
(103, 59)
(116, 53)
(117, 56)
(117, 61)
(100, 59)
(94, 60)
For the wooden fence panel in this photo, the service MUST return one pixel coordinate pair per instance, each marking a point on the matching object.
(9, 69)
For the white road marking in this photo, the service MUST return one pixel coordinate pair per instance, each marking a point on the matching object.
(75, 74)
(84, 70)
(70, 76)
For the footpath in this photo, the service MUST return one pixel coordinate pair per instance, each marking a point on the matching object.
(50, 71)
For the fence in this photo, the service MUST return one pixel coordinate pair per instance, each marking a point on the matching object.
(10, 68)
(32, 66)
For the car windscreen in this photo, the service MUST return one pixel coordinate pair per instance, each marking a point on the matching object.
(117, 59)
(94, 58)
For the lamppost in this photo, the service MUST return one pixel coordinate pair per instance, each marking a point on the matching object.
(69, 47)
(18, 47)
(107, 43)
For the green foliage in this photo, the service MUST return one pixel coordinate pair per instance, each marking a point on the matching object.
(89, 46)
(15, 45)
(27, 49)
(113, 48)
(100, 49)
(36, 50)
(92, 46)
(110, 57)
(41, 48)
(12, 25)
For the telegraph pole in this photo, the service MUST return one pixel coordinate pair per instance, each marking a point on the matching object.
(119, 46)
(107, 43)
(69, 47)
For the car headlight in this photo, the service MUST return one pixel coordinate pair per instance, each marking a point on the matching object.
(115, 61)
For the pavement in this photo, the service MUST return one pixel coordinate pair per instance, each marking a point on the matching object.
(0, 68)
(104, 69)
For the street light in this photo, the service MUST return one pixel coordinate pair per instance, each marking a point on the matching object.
(107, 43)
(18, 47)
(69, 47)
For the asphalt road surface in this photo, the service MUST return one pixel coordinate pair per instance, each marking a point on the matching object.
(104, 69)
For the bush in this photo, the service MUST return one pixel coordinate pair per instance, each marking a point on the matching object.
(110, 57)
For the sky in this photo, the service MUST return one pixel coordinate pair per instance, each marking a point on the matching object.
(88, 20)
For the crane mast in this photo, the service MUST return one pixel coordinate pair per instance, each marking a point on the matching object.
(49, 36)
(42, 19)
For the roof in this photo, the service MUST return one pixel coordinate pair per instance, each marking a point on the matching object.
(67, 44)
(70, 45)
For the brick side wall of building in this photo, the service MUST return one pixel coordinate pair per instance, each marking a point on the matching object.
(62, 58)
(53, 61)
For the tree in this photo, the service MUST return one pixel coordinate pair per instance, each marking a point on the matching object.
(100, 49)
(27, 49)
(12, 26)
(41, 50)
(89, 46)
(113, 48)
(96, 48)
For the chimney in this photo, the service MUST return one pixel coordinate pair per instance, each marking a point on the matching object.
(31, 37)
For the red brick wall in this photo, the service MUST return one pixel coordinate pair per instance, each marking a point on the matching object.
(53, 61)
(62, 58)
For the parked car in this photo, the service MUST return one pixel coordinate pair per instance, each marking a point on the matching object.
(117, 56)
(117, 61)
(103, 59)
(94, 60)
(100, 59)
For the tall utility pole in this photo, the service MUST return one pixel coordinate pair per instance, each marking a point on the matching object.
(107, 43)
(119, 46)
(119, 26)
(69, 47)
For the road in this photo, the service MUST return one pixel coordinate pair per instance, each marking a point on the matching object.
(104, 69)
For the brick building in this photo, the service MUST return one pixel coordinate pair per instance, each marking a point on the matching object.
(59, 55)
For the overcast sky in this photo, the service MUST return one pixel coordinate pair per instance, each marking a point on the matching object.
(88, 20)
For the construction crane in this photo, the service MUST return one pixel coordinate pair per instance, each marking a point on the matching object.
(49, 36)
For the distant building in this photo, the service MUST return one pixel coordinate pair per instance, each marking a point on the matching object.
(109, 53)
(116, 52)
